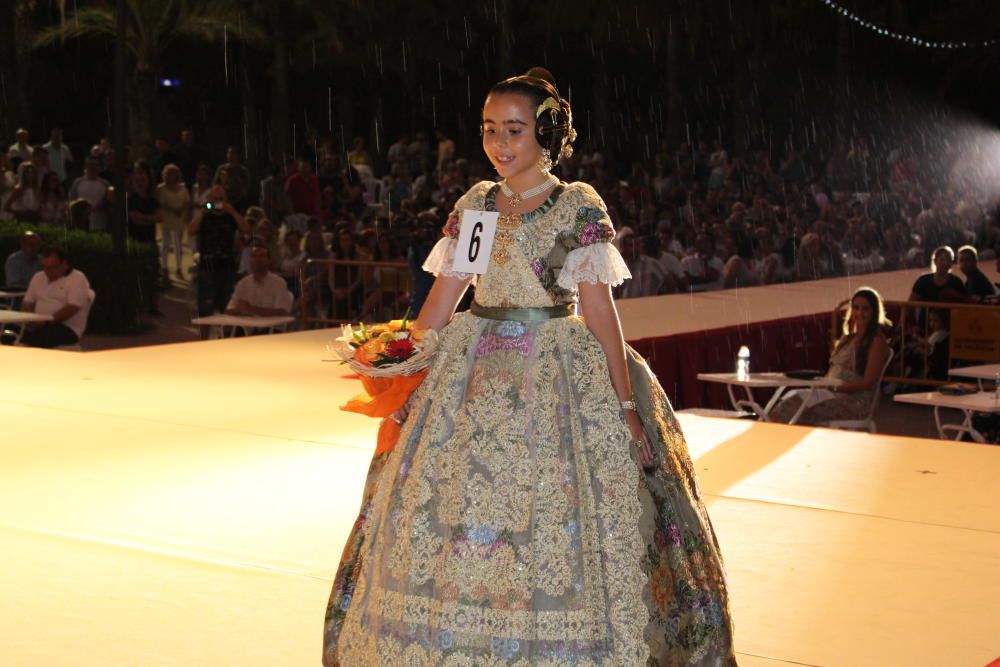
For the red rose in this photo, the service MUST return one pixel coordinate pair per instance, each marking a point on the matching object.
(401, 348)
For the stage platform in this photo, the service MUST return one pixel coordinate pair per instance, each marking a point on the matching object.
(187, 504)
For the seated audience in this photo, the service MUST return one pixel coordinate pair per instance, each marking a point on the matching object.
(703, 267)
(345, 282)
(291, 257)
(22, 265)
(977, 285)
(62, 292)
(940, 284)
(930, 359)
(261, 293)
(816, 259)
(647, 276)
(857, 360)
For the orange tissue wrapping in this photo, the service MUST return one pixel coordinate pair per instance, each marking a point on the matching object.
(381, 399)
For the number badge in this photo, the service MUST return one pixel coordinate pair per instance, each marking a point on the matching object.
(475, 241)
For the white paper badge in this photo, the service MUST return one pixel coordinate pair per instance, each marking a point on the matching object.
(475, 241)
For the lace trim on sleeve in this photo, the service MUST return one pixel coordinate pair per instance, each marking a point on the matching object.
(597, 263)
(441, 259)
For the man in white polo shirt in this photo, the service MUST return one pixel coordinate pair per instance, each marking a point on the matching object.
(261, 293)
(62, 292)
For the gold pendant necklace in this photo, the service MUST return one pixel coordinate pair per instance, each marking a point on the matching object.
(507, 225)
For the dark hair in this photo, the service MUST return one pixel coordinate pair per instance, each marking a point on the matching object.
(945, 249)
(143, 166)
(45, 188)
(55, 251)
(968, 250)
(553, 126)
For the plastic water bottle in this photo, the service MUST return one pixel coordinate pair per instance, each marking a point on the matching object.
(743, 363)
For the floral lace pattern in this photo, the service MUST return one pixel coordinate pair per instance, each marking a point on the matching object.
(510, 525)
(508, 521)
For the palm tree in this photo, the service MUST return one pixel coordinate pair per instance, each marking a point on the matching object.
(152, 28)
(293, 26)
(16, 34)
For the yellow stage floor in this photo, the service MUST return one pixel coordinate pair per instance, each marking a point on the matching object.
(187, 504)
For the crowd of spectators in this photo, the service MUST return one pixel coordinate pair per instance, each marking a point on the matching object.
(690, 217)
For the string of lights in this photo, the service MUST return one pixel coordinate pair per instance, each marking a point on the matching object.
(909, 39)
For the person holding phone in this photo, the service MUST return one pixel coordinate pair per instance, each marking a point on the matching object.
(539, 506)
(215, 225)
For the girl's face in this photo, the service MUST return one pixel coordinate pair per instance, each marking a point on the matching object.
(934, 322)
(861, 313)
(509, 135)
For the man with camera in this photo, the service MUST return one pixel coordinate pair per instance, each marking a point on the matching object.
(216, 225)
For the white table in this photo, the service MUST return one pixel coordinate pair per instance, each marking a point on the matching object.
(982, 401)
(980, 373)
(777, 381)
(244, 322)
(7, 299)
(19, 318)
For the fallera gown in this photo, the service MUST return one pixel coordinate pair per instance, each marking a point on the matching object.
(511, 525)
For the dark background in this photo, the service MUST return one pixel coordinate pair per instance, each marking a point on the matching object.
(751, 73)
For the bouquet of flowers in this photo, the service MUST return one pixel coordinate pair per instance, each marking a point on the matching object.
(391, 361)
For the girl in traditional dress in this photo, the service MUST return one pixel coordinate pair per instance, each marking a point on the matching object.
(539, 507)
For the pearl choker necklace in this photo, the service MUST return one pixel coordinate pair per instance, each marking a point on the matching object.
(516, 199)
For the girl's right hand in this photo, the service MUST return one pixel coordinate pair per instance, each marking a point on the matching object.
(400, 415)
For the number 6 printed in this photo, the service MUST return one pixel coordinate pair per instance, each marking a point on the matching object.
(474, 242)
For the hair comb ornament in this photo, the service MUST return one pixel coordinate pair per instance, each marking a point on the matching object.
(549, 103)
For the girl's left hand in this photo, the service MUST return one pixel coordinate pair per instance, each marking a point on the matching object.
(639, 439)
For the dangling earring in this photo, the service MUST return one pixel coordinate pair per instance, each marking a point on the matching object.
(545, 164)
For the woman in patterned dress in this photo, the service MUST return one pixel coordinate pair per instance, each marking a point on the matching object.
(858, 359)
(539, 507)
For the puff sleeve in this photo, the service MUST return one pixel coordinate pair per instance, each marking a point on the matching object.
(442, 256)
(592, 258)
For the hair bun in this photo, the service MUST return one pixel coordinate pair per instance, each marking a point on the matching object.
(543, 74)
